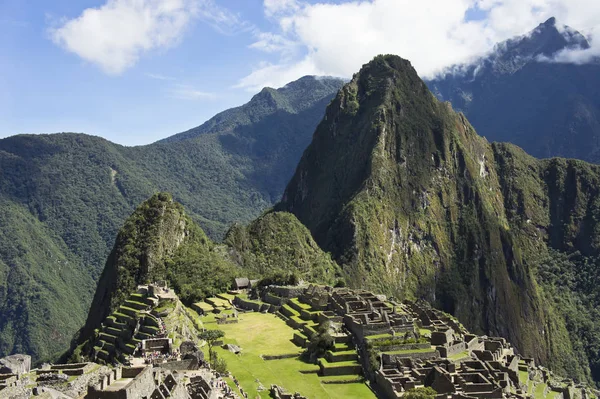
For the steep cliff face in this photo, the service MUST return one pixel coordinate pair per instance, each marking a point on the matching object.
(412, 202)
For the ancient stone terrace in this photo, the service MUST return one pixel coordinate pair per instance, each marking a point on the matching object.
(366, 314)
(139, 382)
(133, 322)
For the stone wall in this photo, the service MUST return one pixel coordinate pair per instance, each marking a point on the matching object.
(390, 359)
(15, 364)
(450, 350)
(141, 386)
(187, 364)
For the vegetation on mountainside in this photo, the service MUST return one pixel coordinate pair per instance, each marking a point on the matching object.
(34, 319)
(277, 243)
(159, 242)
(74, 192)
(570, 284)
(412, 202)
(197, 273)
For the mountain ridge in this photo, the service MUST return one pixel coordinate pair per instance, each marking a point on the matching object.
(414, 203)
(520, 94)
(77, 190)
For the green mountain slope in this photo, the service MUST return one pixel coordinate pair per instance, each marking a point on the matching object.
(76, 191)
(44, 290)
(412, 202)
(278, 242)
(160, 242)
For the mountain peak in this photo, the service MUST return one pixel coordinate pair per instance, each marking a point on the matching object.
(550, 22)
(546, 39)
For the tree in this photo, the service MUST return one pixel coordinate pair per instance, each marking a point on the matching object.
(211, 336)
(420, 393)
(320, 343)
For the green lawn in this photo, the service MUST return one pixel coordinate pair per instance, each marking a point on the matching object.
(539, 391)
(265, 334)
(378, 336)
(300, 304)
(523, 377)
(425, 332)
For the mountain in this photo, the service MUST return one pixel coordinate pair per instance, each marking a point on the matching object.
(410, 201)
(63, 198)
(519, 94)
(160, 242)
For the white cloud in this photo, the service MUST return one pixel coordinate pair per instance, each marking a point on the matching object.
(277, 75)
(337, 38)
(186, 92)
(271, 42)
(115, 35)
(278, 7)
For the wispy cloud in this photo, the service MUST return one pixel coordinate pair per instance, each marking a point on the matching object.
(158, 76)
(187, 92)
(116, 34)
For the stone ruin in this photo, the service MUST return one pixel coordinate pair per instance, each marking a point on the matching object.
(15, 364)
(139, 382)
(278, 392)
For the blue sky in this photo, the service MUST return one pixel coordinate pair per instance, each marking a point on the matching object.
(77, 66)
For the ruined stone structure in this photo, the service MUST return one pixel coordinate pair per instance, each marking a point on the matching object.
(15, 364)
(418, 346)
(139, 383)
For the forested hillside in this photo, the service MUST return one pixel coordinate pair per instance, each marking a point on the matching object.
(65, 196)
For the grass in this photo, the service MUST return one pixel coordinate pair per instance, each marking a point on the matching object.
(539, 391)
(523, 377)
(300, 304)
(265, 334)
(327, 364)
(459, 356)
(378, 336)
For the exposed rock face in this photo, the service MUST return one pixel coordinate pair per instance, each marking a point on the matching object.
(15, 364)
(516, 94)
(412, 202)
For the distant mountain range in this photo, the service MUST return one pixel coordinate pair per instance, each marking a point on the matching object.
(63, 198)
(518, 94)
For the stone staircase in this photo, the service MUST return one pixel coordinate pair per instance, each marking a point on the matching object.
(126, 327)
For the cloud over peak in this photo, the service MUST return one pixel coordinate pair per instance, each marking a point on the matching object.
(337, 37)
